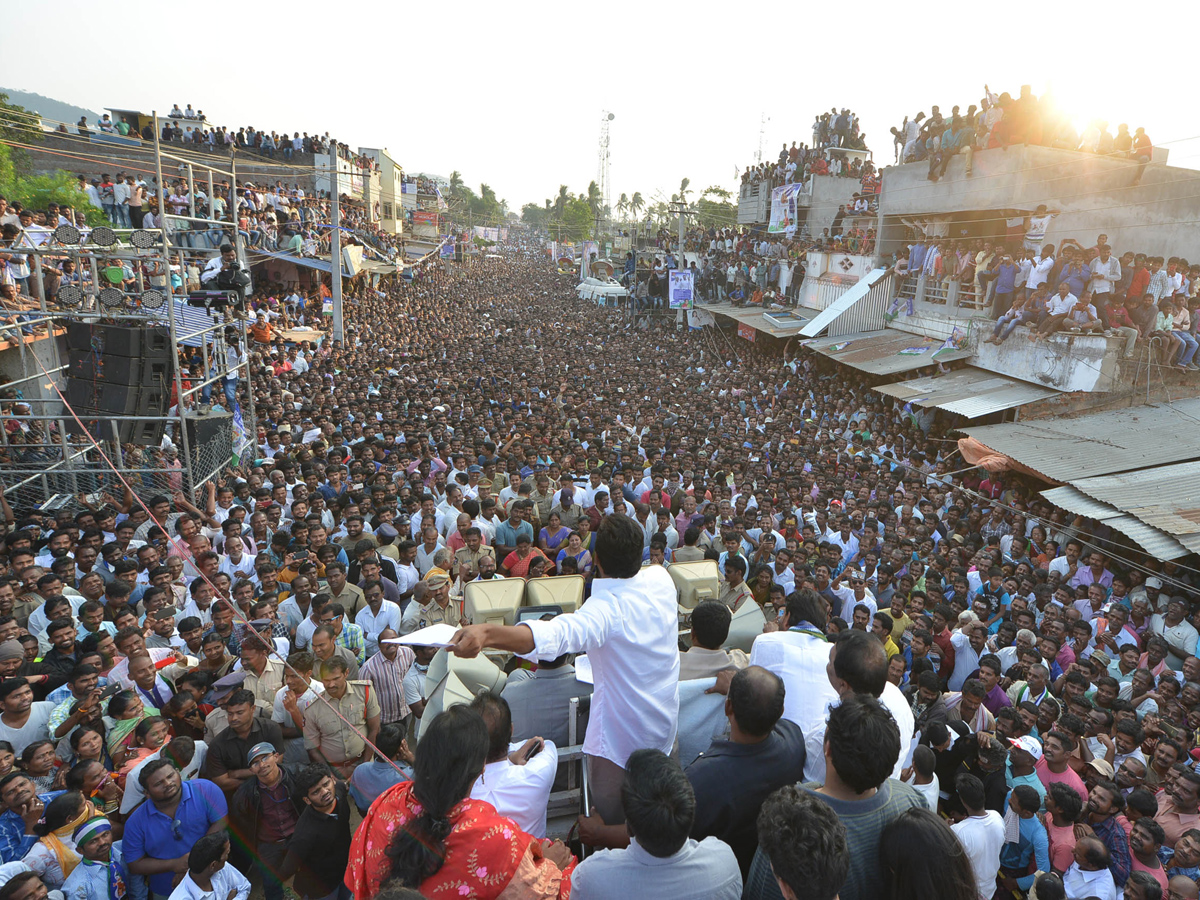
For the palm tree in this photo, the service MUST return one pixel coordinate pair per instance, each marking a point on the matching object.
(594, 198)
(637, 204)
(622, 205)
(683, 189)
(560, 202)
(456, 182)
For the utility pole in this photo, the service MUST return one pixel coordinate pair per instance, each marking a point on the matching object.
(335, 252)
(682, 211)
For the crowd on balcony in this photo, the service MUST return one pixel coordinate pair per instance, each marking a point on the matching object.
(1139, 298)
(423, 183)
(272, 218)
(999, 120)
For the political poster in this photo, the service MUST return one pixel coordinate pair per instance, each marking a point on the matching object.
(591, 252)
(746, 331)
(424, 217)
(698, 318)
(784, 210)
(487, 234)
(680, 287)
(447, 251)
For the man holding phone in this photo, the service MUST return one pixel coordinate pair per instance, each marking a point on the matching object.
(516, 778)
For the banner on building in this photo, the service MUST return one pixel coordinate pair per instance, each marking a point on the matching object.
(424, 217)
(784, 208)
(698, 318)
(487, 234)
(746, 331)
(447, 250)
(681, 285)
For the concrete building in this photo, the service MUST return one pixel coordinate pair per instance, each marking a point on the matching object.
(817, 202)
(391, 189)
(1094, 194)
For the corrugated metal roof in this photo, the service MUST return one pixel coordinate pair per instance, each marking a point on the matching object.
(753, 316)
(1066, 450)
(884, 352)
(1154, 541)
(1164, 497)
(970, 392)
(830, 313)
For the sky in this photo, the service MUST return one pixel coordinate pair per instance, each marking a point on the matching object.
(513, 94)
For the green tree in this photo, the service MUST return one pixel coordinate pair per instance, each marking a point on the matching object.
(21, 126)
(577, 219)
(456, 183)
(714, 207)
(622, 205)
(534, 215)
(38, 191)
(561, 201)
(636, 203)
(594, 198)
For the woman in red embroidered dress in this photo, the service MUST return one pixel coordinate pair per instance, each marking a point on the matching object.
(429, 834)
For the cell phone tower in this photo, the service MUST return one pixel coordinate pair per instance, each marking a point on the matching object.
(604, 176)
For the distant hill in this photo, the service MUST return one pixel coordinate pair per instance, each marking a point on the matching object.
(49, 107)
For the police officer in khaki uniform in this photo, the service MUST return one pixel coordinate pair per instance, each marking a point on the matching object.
(328, 738)
(440, 607)
(468, 557)
(735, 591)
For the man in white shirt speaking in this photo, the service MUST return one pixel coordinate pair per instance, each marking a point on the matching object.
(629, 629)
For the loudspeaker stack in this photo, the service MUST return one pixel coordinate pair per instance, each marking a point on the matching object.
(119, 370)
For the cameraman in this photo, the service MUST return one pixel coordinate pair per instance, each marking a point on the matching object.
(227, 261)
(224, 273)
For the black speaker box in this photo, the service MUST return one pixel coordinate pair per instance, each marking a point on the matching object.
(143, 432)
(204, 430)
(147, 341)
(108, 367)
(116, 399)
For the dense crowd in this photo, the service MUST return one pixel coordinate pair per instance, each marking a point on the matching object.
(959, 690)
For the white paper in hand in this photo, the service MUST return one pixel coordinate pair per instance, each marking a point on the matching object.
(583, 670)
(439, 635)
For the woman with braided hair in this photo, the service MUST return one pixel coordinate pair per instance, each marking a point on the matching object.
(430, 835)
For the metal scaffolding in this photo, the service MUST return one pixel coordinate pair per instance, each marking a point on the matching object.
(52, 455)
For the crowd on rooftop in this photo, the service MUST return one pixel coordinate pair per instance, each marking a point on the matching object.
(833, 131)
(177, 128)
(960, 690)
(999, 120)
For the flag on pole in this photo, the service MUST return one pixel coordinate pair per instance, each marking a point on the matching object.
(239, 433)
